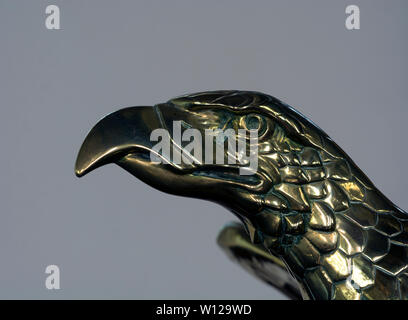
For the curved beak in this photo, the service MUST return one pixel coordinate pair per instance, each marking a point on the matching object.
(116, 135)
(124, 138)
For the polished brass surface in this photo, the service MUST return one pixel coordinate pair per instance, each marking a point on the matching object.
(308, 212)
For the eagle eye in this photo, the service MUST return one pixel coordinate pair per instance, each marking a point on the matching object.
(254, 121)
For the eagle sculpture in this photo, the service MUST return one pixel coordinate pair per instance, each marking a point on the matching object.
(312, 224)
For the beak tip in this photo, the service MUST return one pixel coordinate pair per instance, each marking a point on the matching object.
(78, 173)
(80, 168)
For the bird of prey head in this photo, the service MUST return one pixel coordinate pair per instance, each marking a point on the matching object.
(308, 208)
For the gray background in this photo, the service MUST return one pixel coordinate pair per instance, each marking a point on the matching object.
(111, 235)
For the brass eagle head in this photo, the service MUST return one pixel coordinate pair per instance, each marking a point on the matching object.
(302, 179)
(306, 202)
